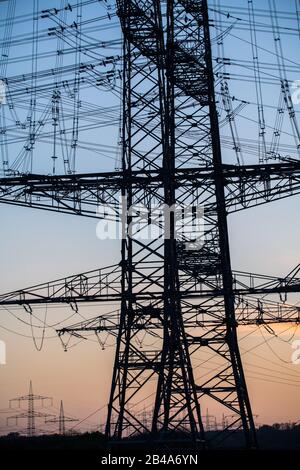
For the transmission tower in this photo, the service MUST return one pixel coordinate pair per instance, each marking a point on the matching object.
(61, 420)
(180, 88)
(209, 419)
(31, 414)
(178, 291)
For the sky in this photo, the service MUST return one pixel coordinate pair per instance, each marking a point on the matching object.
(38, 246)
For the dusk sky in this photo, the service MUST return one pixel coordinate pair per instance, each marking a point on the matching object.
(38, 246)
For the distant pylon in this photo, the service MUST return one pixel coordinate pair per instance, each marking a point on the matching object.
(30, 414)
(62, 423)
(61, 420)
(208, 420)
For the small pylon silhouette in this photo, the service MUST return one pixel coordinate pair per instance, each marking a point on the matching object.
(30, 414)
(61, 420)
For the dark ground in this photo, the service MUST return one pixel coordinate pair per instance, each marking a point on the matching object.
(278, 447)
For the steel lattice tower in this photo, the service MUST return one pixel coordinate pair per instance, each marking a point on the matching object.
(168, 72)
(178, 293)
(31, 414)
(62, 419)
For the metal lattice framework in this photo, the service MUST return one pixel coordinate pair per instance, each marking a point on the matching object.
(31, 414)
(186, 302)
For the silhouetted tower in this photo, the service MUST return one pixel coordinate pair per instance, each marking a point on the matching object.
(30, 414)
(224, 421)
(168, 74)
(209, 419)
(181, 291)
(61, 420)
(216, 424)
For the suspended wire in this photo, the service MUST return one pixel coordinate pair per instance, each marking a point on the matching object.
(23, 335)
(268, 360)
(61, 137)
(262, 149)
(282, 72)
(227, 102)
(272, 350)
(211, 371)
(57, 102)
(40, 346)
(298, 16)
(7, 38)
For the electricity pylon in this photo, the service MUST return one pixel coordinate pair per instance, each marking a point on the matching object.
(179, 87)
(181, 292)
(31, 414)
(61, 420)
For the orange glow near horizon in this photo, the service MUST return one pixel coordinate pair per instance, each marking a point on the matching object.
(81, 376)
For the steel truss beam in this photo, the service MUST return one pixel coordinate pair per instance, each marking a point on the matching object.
(248, 313)
(104, 285)
(88, 194)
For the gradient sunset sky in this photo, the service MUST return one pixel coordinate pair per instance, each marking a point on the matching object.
(38, 246)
